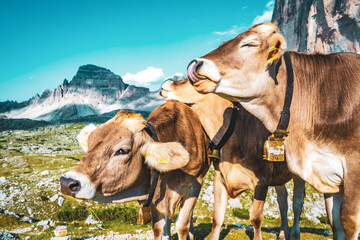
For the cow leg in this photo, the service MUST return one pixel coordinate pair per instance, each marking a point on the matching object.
(185, 215)
(220, 203)
(281, 197)
(350, 206)
(298, 202)
(158, 223)
(257, 208)
(167, 229)
(333, 203)
(191, 230)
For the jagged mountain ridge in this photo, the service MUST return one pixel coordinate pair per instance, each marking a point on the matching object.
(319, 26)
(92, 91)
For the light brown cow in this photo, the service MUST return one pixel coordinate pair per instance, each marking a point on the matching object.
(120, 152)
(323, 146)
(241, 166)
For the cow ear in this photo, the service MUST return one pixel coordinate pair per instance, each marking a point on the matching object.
(276, 49)
(166, 156)
(84, 135)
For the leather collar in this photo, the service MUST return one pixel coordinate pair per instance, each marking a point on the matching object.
(285, 113)
(150, 130)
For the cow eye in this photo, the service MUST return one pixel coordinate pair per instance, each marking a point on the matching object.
(121, 151)
(249, 45)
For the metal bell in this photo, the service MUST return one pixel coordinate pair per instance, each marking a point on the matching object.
(215, 155)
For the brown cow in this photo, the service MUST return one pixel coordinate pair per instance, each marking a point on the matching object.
(241, 166)
(324, 128)
(116, 165)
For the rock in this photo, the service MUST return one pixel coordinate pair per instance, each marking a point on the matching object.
(26, 220)
(61, 201)
(52, 223)
(2, 180)
(46, 172)
(61, 238)
(53, 198)
(11, 213)
(29, 211)
(321, 26)
(27, 238)
(43, 223)
(2, 196)
(46, 227)
(22, 230)
(60, 231)
(8, 236)
(91, 220)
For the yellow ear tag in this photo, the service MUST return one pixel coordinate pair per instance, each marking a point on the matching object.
(271, 53)
(163, 160)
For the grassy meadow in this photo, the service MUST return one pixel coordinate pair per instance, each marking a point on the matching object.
(31, 163)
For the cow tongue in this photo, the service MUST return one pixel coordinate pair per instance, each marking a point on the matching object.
(191, 72)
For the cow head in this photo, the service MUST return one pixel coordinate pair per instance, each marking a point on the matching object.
(240, 69)
(116, 164)
(181, 91)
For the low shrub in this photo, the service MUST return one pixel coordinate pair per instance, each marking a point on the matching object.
(323, 219)
(67, 213)
(123, 214)
(241, 213)
(81, 212)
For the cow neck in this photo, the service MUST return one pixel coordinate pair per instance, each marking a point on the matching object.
(283, 124)
(150, 130)
(224, 133)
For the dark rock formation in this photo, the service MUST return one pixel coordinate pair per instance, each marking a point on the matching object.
(20, 124)
(319, 26)
(11, 105)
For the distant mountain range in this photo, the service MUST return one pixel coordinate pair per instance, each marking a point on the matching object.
(93, 93)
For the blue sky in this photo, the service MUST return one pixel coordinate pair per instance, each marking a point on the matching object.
(42, 42)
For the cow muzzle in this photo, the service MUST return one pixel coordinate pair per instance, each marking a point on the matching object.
(203, 69)
(69, 186)
(77, 185)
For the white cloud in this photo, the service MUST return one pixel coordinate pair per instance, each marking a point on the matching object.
(145, 77)
(267, 14)
(235, 30)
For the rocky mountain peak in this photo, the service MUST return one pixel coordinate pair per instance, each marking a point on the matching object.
(94, 77)
(93, 91)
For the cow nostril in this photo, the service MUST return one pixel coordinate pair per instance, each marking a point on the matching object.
(74, 186)
(69, 186)
(198, 65)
